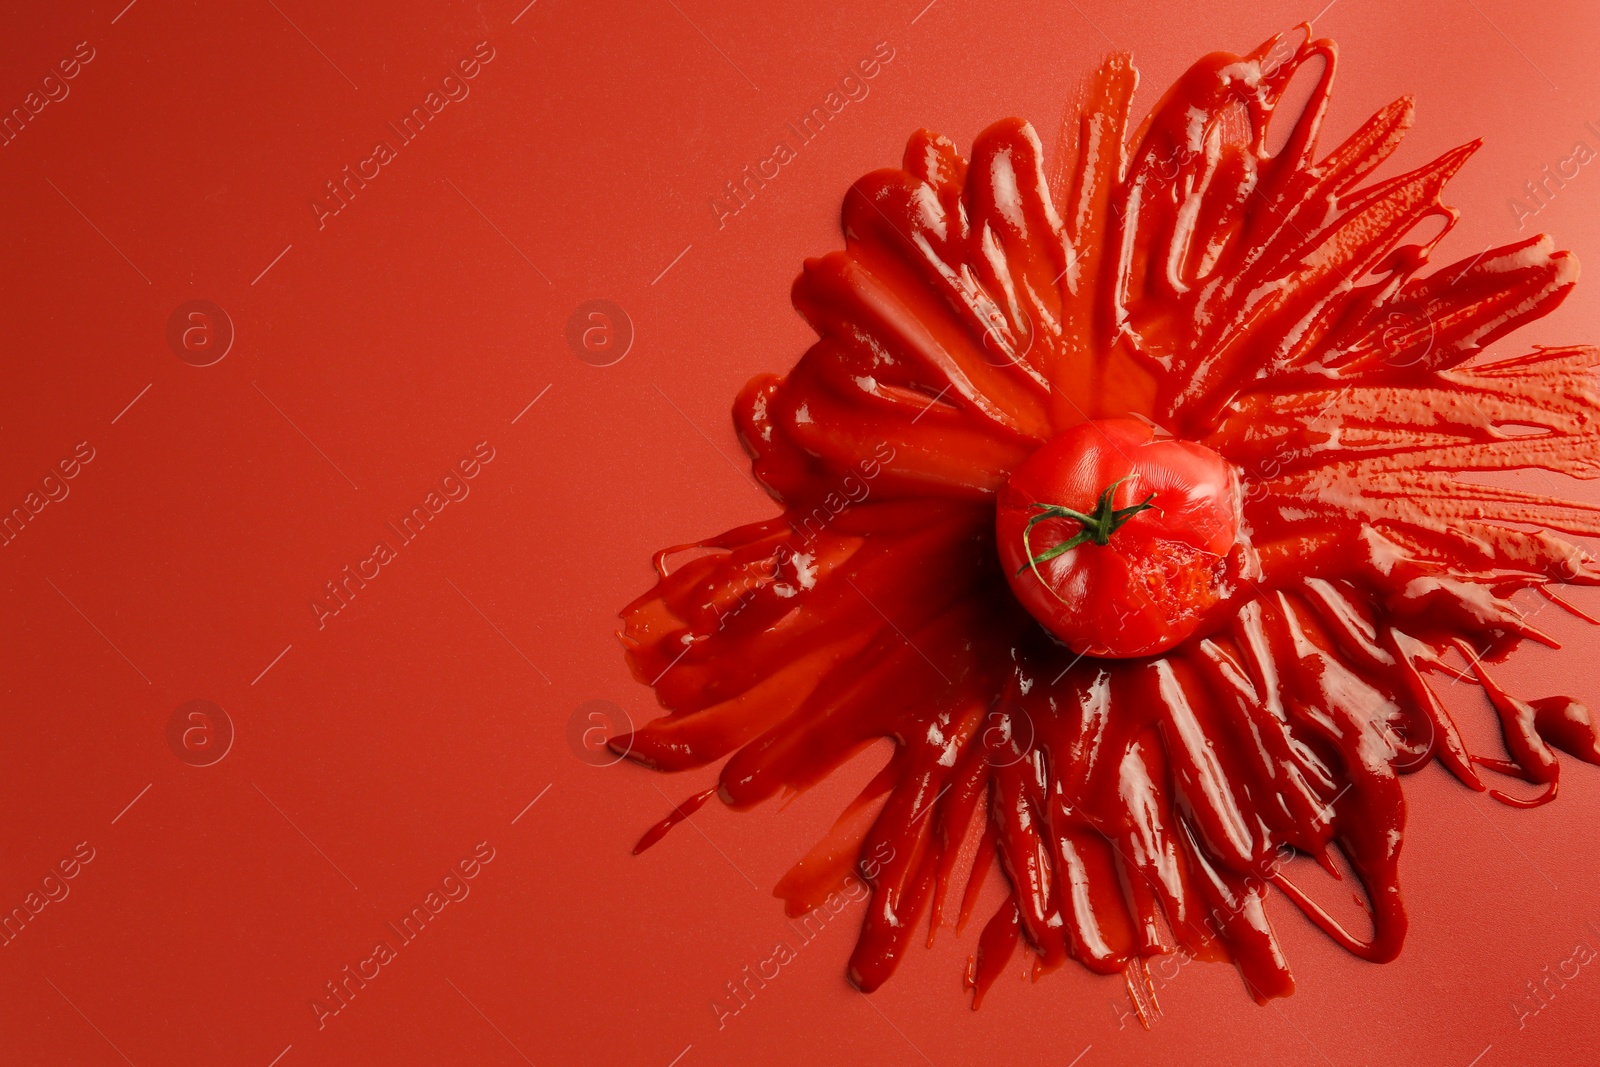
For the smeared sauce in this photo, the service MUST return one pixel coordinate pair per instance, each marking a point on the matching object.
(1268, 305)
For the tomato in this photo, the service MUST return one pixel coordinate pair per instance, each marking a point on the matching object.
(1115, 538)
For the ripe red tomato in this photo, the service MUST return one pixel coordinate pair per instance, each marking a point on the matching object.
(1114, 538)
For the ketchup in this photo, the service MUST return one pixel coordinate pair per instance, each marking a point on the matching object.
(1268, 305)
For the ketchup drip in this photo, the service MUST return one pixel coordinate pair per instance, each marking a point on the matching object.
(1264, 304)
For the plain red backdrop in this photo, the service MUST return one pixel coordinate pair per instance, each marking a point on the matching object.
(371, 354)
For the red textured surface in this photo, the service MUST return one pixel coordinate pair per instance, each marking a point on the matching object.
(380, 349)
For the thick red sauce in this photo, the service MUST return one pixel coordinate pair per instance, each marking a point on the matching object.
(1267, 305)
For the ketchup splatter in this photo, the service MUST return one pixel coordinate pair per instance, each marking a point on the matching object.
(1264, 304)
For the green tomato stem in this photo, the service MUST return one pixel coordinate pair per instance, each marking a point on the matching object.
(1098, 526)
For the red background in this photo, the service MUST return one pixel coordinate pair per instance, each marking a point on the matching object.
(425, 716)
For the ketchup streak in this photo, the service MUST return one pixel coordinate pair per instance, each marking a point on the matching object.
(1263, 305)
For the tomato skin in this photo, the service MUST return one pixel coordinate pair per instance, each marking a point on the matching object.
(1149, 586)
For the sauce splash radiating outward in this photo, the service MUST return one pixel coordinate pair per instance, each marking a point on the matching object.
(1267, 307)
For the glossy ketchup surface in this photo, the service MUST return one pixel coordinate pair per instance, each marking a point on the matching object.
(1270, 305)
